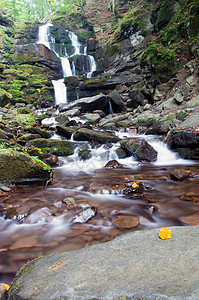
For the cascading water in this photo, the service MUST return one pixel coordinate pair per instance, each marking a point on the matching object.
(45, 38)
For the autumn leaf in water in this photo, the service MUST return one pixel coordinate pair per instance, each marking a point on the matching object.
(165, 233)
(135, 185)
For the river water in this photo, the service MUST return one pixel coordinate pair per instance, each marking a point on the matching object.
(142, 190)
(83, 204)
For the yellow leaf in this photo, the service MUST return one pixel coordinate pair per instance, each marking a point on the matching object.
(135, 185)
(4, 288)
(165, 233)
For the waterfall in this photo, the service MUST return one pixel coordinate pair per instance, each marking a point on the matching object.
(66, 67)
(44, 35)
(92, 65)
(75, 43)
(60, 91)
(110, 108)
(45, 38)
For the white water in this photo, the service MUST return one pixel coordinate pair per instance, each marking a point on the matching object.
(75, 43)
(46, 39)
(44, 35)
(93, 66)
(60, 91)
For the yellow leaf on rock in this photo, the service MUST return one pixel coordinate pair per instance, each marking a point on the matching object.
(3, 288)
(135, 185)
(165, 233)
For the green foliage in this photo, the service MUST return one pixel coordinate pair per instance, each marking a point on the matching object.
(126, 25)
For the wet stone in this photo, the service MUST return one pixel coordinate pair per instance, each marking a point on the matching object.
(38, 215)
(113, 164)
(190, 196)
(180, 174)
(85, 215)
(70, 202)
(125, 221)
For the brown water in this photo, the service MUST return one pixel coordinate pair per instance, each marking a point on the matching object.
(157, 201)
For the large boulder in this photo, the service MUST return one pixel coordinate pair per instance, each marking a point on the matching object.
(5, 97)
(85, 134)
(136, 265)
(140, 149)
(20, 168)
(88, 104)
(51, 146)
(37, 54)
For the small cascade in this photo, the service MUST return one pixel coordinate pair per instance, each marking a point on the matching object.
(60, 91)
(92, 65)
(75, 43)
(66, 67)
(44, 35)
(110, 108)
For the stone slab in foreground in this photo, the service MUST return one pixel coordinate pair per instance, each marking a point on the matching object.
(136, 265)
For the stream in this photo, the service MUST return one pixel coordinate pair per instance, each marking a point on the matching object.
(89, 204)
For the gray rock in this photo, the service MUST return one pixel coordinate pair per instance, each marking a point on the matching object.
(136, 265)
(87, 104)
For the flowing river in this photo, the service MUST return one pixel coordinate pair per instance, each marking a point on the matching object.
(82, 205)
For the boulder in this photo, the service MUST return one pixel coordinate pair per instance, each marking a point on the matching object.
(65, 131)
(87, 104)
(140, 149)
(20, 168)
(102, 137)
(135, 265)
(57, 147)
(37, 54)
(5, 97)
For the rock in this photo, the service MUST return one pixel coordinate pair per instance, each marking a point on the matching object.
(52, 160)
(65, 131)
(38, 215)
(70, 202)
(180, 174)
(117, 102)
(125, 221)
(137, 98)
(57, 147)
(4, 188)
(84, 154)
(94, 118)
(37, 54)
(147, 118)
(140, 149)
(87, 104)
(136, 254)
(27, 137)
(85, 215)
(5, 97)
(42, 132)
(183, 138)
(113, 164)
(179, 97)
(162, 89)
(20, 168)
(84, 134)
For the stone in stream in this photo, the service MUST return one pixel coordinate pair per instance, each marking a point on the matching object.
(113, 164)
(125, 221)
(102, 137)
(70, 202)
(180, 174)
(38, 215)
(85, 215)
(140, 149)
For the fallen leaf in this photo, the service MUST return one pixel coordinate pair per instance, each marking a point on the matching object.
(165, 233)
(3, 288)
(135, 185)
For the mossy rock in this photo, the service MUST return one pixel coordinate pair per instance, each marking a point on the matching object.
(20, 168)
(57, 147)
(5, 97)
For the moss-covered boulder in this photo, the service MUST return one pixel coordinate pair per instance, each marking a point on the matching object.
(20, 168)
(5, 97)
(140, 149)
(85, 134)
(57, 147)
